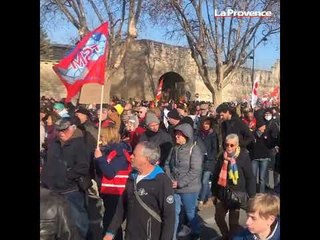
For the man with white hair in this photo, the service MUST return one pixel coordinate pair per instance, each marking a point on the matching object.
(147, 202)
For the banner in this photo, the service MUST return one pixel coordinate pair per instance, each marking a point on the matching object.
(275, 92)
(254, 94)
(86, 63)
(159, 91)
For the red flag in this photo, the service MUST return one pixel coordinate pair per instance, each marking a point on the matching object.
(85, 63)
(275, 92)
(159, 91)
(254, 94)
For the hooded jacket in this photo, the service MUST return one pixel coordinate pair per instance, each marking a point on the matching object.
(162, 139)
(185, 163)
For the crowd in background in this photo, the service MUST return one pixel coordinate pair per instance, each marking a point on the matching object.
(197, 151)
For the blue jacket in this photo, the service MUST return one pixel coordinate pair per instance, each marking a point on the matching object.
(246, 235)
(109, 170)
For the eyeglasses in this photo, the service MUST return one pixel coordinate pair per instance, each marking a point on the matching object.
(63, 130)
(230, 145)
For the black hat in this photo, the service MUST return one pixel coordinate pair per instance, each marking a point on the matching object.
(174, 114)
(83, 111)
(260, 122)
(182, 106)
(63, 123)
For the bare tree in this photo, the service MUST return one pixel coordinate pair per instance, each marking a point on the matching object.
(45, 46)
(118, 13)
(222, 43)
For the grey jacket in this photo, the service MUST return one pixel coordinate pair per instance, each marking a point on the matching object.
(184, 167)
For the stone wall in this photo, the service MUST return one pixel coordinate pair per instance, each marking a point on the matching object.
(146, 62)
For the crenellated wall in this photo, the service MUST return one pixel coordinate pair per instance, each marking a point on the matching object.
(146, 61)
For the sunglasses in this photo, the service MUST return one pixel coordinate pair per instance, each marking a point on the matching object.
(230, 145)
(63, 130)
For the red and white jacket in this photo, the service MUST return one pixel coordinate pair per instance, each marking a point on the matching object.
(116, 185)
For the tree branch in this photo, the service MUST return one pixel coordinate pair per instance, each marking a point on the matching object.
(138, 10)
(93, 5)
(67, 14)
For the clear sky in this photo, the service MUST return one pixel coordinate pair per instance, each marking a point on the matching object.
(265, 55)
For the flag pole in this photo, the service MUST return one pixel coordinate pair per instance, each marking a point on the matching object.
(99, 126)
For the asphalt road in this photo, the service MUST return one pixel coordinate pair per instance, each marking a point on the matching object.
(210, 229)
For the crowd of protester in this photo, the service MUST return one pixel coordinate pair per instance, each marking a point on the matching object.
(155, 165)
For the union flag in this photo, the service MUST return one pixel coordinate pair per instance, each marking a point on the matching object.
(86, 63)
(159, 91)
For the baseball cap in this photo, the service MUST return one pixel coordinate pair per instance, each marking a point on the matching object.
(63, 123)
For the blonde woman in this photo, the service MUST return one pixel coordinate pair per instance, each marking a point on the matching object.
(113, 168)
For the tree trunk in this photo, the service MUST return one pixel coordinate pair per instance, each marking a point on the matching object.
(217, 97)
(107, 89)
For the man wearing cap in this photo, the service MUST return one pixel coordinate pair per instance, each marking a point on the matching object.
(174, 120)
(120, 109)
(158, 136)
(68, 161)
(114, 113)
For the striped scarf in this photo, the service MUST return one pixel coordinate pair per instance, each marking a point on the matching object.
(232, 171)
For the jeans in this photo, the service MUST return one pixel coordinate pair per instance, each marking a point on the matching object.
(110, 202)
(189, 201)
(205, 188)
(220, 218)
(78, 211)
(260, 166)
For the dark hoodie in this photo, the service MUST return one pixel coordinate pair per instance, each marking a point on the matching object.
(162, 139)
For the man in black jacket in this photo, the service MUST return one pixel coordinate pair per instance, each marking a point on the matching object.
(56, 222)
(231, 123)
(67, 162)
(151, 186)
(158, 136)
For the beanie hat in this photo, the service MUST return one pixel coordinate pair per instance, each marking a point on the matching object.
(118, 108)
(151, 118)
(174, 114)
(58, 106)
(260, 122)
(83, 111)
